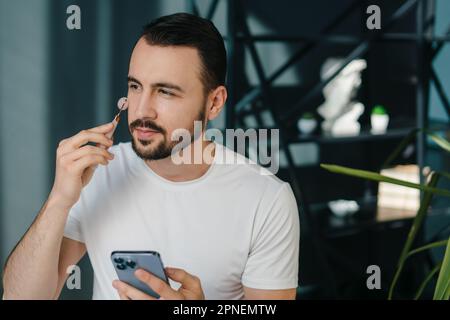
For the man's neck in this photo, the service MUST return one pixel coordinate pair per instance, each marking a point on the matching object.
(169, 170)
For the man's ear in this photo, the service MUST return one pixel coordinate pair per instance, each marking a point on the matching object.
(216, 101)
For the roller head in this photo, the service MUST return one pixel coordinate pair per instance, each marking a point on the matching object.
(122, 104)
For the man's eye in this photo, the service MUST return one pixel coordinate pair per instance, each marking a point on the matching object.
(133, 86)
(165, 92)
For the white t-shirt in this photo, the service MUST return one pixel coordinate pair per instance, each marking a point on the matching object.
(232, 227)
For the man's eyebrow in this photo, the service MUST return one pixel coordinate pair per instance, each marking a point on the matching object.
(158, 84)
(168, 86)
(133, 79)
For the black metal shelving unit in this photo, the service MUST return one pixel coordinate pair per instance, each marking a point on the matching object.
(260, 98)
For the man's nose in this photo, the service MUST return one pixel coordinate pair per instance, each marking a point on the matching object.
(146, 107)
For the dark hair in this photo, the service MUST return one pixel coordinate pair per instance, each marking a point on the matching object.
(184, 29)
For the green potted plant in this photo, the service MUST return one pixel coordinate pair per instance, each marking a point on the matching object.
(442, 269)
(379, 119)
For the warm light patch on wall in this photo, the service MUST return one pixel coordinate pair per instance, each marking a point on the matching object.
(398, 201)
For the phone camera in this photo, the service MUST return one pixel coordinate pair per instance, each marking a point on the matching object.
(121, 266)
(131, 264)
(118, 260)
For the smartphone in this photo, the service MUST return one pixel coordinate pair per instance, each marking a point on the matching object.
(127, 262)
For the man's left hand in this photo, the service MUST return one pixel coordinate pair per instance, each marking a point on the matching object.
(190, 289)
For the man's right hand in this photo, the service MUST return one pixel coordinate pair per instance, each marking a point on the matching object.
(76, 162)
(36, 269)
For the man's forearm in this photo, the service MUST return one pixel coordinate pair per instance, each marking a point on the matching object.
(31, 271)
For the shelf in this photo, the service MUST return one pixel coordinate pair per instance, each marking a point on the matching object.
(364, 135)
(345, 39)
(368, 217)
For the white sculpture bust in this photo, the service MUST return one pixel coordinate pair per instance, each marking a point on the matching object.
(340, 112)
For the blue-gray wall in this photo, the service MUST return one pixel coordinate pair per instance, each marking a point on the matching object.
(24, 101)
(441, 62)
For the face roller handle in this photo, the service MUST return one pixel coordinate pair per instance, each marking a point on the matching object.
(122, 104)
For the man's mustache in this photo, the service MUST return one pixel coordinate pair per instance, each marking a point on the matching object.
(145, 123)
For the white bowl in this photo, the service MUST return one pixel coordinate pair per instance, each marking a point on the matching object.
(342, 208)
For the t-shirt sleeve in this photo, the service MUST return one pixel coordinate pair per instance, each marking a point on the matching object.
(274, 254)
(73, 229)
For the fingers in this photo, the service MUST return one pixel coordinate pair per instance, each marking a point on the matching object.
(187, 280)
(86, 136)
(103, 128)
(110, 133)
(89, 150)
(157, 285)
(88, 161)
(127, 292)
(123, 296)
(77, 161)
(95, 135)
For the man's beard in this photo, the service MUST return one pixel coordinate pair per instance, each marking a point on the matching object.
(164, 148)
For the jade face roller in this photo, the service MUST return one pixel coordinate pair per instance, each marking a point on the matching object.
(122, 104)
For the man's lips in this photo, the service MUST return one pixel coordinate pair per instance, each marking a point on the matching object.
(145, 133)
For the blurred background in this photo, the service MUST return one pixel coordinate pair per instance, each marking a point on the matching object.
(55, 82)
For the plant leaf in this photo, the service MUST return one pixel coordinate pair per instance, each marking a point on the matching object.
(427, 279)
(428, 246)
(444, 174)
(400, 147)
(424, 204)
(444, 144)
(433, 271)
(409, 137)
(381, 178)
(442, 290)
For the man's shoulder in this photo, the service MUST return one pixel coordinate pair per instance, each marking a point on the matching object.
(247, 172)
